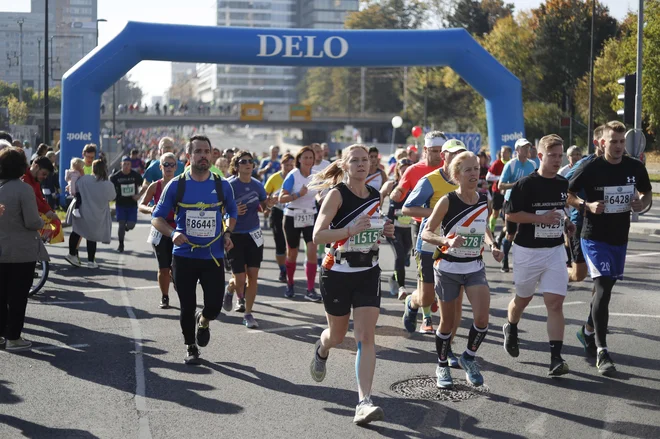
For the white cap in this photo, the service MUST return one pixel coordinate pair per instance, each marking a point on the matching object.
(522, 142)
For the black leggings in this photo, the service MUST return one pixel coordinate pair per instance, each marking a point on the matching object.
(600, 308)
(74, 240)
(15, 283)
(277, 224)
(186, 273)
(402, 243)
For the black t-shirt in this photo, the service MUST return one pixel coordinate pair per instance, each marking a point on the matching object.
(615, 184)
(126, 185)
(536, 194)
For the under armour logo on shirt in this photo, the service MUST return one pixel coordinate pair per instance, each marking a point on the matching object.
(631, 180)
(213, 191)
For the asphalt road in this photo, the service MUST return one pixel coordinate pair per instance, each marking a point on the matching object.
(107, 363)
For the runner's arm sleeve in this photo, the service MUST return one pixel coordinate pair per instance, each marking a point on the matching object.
(230, 203)
(166, 202)
(420, 195)
(287, 185)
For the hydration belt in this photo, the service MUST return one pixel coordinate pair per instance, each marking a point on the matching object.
(356, 259)
(438, 254)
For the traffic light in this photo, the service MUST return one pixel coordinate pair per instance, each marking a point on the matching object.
(629, 83)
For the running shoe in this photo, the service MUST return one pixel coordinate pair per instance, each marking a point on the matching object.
(73, 260)
(403, 293)
(282, 277)
(434, 305)
(227, 301)
(505, 266)
(120, 249)
(164, 302)
(289, 292)
(451, 359)
(471, 368)
(444, 377)
(511, 339)
(409, 316)
(394, 286)
(313, 296)
(18, 345)
(192, 355)
(558, 367)
(240, 305)
(203, 334)
(427, 326)
(366, 412)
(250, 322)
(317, 368)
(588, 341)
(604, 363)
(92, 264)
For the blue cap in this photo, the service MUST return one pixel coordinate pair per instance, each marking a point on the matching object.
(126, 159)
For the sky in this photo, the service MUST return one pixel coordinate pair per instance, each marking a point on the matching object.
(154, 76)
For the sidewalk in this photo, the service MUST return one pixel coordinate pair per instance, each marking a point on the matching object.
(649, 223)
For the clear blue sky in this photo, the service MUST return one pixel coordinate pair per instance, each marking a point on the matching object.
(154, 77)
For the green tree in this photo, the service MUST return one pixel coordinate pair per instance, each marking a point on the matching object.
(18, 111)
(478, 17)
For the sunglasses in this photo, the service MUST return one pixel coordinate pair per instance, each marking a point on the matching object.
(169, 165)
(245, 161)
(405, 162)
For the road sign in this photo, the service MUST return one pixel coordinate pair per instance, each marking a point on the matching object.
(252, 112)
(471, 140)
(299, 112)
(635, 146)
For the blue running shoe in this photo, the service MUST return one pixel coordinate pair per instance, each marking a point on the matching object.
(409, 316)
(444, 377)
(471, 368)
(289, 292)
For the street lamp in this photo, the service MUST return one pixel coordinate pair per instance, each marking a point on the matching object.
(99, 20)
(20, 22)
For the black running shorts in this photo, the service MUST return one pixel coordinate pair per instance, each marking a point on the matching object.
(164, 252)
(245, 252)
(341, 291)
(293, 235)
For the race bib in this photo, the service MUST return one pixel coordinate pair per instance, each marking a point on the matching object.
(474, 238)
(257, 237)
(365, 241)
(618, 198)
(303, 218)
(200, 224)
(546, 231)
(154, 236)
(127, 190)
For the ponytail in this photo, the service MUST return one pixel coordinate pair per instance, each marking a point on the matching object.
(335, 173)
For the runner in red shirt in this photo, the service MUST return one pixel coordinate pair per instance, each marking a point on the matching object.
(38, 172)
(493, 175)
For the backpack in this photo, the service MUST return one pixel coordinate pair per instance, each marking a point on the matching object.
(181, 189)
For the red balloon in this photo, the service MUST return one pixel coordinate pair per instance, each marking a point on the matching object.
(416, 131)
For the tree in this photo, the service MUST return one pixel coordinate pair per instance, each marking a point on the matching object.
(563, 44)
(126, 92)
(478, 17)
(18, 111)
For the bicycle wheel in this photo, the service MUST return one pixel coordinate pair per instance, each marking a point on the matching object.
(41, 270)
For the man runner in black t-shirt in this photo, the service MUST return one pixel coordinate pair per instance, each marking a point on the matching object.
(127, 184)
(610, 183)
(537, 204)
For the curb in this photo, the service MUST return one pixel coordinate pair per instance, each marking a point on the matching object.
(643, 229)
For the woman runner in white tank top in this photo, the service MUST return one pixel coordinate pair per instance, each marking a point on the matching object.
(350, 275)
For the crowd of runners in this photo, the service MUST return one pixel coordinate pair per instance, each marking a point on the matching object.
(439, 207)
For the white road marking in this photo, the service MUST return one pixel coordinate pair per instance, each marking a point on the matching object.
(284, 328)
(55, 302)
(71, 347)
(565, 304)
(103, 290)
(648, 316)
(144, 432)
(642, 255)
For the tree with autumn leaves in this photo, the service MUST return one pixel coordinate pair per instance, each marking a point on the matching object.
(547, 48)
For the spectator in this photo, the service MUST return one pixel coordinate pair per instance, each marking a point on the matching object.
(41, 151)
(95, 223)
(50, 187)
(6, 136)
(89, 154)
(20, 247)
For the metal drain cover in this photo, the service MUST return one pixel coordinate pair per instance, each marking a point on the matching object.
(424, 387)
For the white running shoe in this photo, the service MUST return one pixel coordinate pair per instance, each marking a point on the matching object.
(403, 293)
(73, 260)
(367, 412)
(92, 264)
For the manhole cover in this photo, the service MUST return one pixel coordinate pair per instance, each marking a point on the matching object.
(424, 387)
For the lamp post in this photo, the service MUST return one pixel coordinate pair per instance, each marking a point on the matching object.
(20, 22)
(591, 80)
(46, 136)
(39, 69)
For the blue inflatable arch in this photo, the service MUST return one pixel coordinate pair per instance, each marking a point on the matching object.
(84, 83)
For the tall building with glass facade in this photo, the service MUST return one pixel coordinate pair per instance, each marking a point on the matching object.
(71, 31)
(229, 84)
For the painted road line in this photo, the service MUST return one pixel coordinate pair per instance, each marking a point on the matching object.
(543, 306)
(648, 316)
(285, 328)
(103, 290)
(55, 302)
(71, 347)
(642, 255)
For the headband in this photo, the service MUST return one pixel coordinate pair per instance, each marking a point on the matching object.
(434, 141)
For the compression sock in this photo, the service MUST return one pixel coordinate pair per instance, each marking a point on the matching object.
(491, 223)
(290, 270)
(476, 336)
(442, 346)
(310, 272)
(555, 348)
